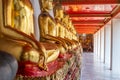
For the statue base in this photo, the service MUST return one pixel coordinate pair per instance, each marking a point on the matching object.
(64, 68)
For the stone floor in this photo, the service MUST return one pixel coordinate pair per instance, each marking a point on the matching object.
(95, 70)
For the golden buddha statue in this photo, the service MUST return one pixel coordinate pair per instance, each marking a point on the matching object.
(16, 28)
(59, 14)
(47, 26)
(73, 34)
(68, 34)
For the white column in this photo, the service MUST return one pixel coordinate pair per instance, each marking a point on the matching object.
(111, 46)
(116, 46)
(98, 44)
(107, 45)
(95, 45)
(94, 42)
(102, 44)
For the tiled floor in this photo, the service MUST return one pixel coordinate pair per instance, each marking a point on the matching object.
(95, 70)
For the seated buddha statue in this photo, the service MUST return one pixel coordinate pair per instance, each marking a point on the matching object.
(73, 34)
(70, 29)
(68, 34)
(16, 32)
(47, 26)
(58, 14)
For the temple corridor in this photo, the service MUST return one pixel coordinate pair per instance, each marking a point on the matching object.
(93, 69)
(59, 39)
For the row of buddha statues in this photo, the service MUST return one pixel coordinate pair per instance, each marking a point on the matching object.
(57, 35)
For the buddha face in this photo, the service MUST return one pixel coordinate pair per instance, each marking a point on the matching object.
(60, 13)
(47, 4)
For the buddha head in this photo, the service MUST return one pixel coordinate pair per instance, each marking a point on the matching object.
(46, 5)
(58, 11)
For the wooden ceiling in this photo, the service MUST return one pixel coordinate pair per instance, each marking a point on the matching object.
(88, 16)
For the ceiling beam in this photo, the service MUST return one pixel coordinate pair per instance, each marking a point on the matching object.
(88, 23)
(90, 15)
(89, 1)
(113, 14)
(115, 11)
(87, 32)
(86, 28)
